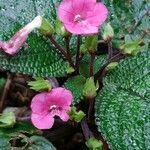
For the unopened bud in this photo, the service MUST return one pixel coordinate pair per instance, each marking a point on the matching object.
(108, 32)
(46, 28)
(90, 88)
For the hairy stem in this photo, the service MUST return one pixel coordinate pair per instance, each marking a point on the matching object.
(91, 109)
(86, 131)
(100, 74)
(5, 91)
(61, 50)
(92, 64)
(78, 53)
(110, 50)
(67, 40)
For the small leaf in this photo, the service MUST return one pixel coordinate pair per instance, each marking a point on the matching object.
(94, 144)
(70, 70)
(112, 66)
(131, 48)
(7, 120)
(40, 84)
(76, 115)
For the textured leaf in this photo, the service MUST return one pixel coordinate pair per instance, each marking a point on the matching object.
(40, 58)
(123, 105)
(40, 143)
(129, 17)
(75, 85)
(19, 127)
(4, 144)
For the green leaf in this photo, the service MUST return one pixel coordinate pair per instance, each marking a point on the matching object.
(40, 143)
(7, 119)
(75, 85)
(19, 127)
(40, 84)
(91, 43)
(94, 144)
(123, 105)
(76, 115)
(129, 17)
(15, 132)
(2, 82)
(40, 58)
(4, 144)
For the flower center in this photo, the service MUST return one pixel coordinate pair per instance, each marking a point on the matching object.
(54, 109)
(78, 18)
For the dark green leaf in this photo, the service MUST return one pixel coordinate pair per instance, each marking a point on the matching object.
(130, 17)
(41, 58)
(123, 105)
(75, 85)
(40, 143)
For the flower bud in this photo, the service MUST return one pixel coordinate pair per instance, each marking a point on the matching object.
(91, 43)
(60, 29)
(12, 46)
(90, 88)
(108, 32)
(46, 28)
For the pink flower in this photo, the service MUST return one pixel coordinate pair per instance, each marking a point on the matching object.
(16, 42)
(45, 106)
(82, 16)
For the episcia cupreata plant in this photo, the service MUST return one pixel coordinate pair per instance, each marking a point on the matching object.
(102, 51)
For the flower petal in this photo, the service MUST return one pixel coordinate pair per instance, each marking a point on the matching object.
(98, 15)
(14, 44)
(60, 97)
(39, 104)
(65, 11)
(42, 121)
(64, 116)
(82, 28)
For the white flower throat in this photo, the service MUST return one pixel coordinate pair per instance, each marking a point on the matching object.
(78, 18)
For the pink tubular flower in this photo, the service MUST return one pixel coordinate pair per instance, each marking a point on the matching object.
(82, 16)
(14, 44)
(46, 105)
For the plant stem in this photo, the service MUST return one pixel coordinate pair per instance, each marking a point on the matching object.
(92, 64)
(86, 131)
(91, 108)
(78, 53)
(5, 91)
(100, 74)
(62, 51)
(67, 40)
(110, 50)
(27, 118)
